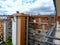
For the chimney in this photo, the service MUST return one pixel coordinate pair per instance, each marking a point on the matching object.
(17, 12)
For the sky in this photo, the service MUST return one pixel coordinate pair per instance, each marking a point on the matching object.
(9, 7)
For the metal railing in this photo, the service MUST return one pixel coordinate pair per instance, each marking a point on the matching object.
(50, 37)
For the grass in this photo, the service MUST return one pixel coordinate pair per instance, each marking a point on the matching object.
(8, 42)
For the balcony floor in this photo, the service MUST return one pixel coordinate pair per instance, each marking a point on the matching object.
(57, 34)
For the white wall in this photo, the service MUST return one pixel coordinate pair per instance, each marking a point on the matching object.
(5, 30)
(14, 27)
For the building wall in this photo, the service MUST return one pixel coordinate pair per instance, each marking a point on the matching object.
(14, 29)
(9, 29)
(2, 30)
(5, 22)
(59, 19)
(57, 2)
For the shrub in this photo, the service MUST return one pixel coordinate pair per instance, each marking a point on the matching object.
(8, 42)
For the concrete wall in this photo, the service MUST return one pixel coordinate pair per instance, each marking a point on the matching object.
(14, 29)
(57, 6)
(7, 29)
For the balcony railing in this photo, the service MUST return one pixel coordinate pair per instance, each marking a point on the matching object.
(50, 37)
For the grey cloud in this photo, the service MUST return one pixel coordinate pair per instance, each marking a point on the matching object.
(3, 12)
(0, 6)
(2, 0)
(42, 10)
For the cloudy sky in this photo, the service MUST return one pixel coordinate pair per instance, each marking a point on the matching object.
(26, 6)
